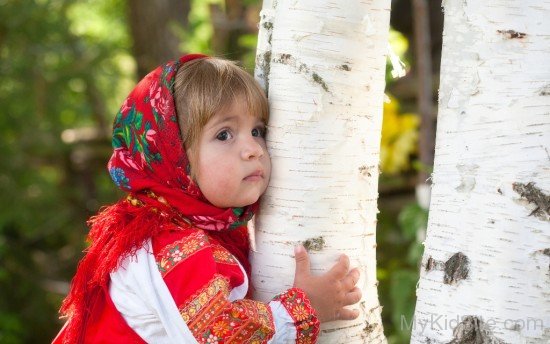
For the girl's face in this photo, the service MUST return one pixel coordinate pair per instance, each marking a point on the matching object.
(232, 164)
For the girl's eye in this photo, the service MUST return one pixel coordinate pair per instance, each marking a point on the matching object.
(258, 132)
(223, 135)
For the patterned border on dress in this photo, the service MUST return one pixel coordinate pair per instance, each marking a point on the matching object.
(223, 256)
(178, 251)
(305, 318)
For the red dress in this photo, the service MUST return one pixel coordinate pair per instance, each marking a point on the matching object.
(145, 278)
(203, 279)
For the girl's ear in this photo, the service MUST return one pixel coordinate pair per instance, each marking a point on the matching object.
(191, 157)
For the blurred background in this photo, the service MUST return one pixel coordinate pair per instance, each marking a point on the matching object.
(66, 67)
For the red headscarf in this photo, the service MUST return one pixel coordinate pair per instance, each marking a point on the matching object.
(149, 162)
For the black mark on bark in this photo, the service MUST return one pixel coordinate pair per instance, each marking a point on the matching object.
(314, 244)
(320, 81)
(265, 65)
(512, 34)
(533, 195)
(369, 328)
(344, 67)
(283, 58)
(472, 330)
(302, 68)
(268, 25)
(329, 330)
(546, 252)
(364, 170)
(456, 268)
(430, 264)
(545, 91)
(264, 60)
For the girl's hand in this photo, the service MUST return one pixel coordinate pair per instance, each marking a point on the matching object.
(331, 291)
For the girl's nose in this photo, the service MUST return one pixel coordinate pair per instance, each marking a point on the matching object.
(251, 149)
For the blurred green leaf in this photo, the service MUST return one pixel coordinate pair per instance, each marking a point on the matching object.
(412, 219)
(414, 254)
(402, 291)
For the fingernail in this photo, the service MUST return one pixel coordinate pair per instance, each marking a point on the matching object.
(298, 249)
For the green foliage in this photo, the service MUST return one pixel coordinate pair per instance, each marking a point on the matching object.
(400, 226)
(402, 295)
(400, 234)
(249, 41)
(66, 65)
(412, 218)
(197, 37)
(52, 54)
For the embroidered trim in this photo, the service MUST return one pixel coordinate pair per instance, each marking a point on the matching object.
(222, 255)
(305, 319)
(173, 254)
(243, 321)
(213, 319)
(252, 322)
(177, 218)
(214, 295)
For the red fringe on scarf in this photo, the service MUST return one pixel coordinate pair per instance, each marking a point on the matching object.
(116, 232)
(119, 231)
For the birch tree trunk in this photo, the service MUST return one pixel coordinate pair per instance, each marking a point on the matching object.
(485, 275)
(323, 64)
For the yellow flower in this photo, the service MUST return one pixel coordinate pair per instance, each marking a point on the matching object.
(300, 313)
(235, 313)
(399, 138)
(203, 299)
(190, 246)
(220, 328)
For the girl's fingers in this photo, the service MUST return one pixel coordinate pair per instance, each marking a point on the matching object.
(351, 279)
(340, 269)
(352, 297)
(347, 314)
(302, 261)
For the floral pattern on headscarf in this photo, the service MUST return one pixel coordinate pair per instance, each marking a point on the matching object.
(149, 154)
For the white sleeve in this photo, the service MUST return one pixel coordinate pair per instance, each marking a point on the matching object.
(285, 328)
(144, 301)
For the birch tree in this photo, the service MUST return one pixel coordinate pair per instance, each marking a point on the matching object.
(485, 275)
(322, 64)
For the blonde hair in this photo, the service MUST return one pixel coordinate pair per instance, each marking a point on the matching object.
(207, 85)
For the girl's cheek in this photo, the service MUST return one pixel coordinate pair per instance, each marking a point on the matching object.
(268, 162)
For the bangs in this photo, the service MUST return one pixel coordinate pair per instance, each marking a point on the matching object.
(206, 86)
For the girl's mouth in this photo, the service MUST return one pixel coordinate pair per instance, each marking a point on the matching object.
(255, 176)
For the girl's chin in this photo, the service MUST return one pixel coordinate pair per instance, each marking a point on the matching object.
(241, 203)
(246, 202)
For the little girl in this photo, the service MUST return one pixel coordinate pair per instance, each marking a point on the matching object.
(169, 263)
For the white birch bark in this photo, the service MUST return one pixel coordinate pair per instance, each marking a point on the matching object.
(485, 275)
(323, 64)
